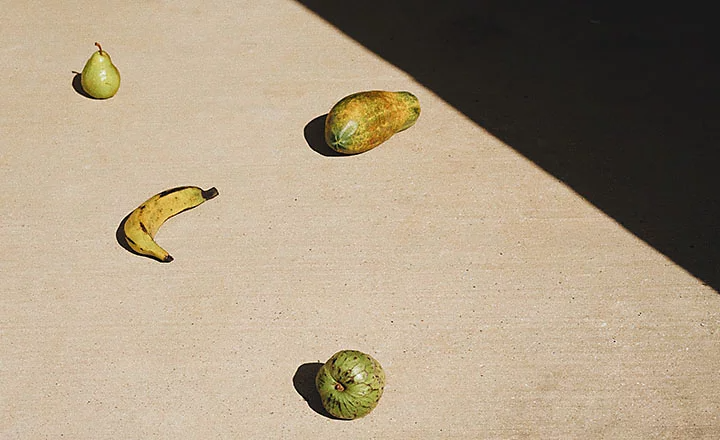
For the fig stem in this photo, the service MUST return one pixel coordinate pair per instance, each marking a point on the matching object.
(339, 387)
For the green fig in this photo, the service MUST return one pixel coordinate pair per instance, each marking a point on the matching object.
(100, 78)
(364, 120)
(350, 384)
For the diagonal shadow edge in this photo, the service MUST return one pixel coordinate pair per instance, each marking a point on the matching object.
(618, 100)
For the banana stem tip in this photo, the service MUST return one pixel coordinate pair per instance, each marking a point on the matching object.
(210, 193)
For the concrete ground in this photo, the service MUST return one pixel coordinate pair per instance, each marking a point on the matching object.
(535, 258)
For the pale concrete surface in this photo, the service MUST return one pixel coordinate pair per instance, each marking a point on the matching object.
(501, 303)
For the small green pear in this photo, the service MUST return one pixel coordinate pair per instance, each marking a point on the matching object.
(100, 78)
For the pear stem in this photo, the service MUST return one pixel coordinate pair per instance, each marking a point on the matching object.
(98, 46)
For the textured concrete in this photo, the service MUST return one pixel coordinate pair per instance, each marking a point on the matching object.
(501, 303)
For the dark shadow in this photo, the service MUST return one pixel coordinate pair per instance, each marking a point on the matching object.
(315, 137)
(120, 236)
(77, 85)
(619, 100)
(304, 383)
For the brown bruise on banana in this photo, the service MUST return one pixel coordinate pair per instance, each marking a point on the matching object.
(167, 192)
(205, 194)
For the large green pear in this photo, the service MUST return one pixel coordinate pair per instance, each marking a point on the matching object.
(350, 384)
(100, 78)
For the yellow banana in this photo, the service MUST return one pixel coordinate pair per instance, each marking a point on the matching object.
(141, 225)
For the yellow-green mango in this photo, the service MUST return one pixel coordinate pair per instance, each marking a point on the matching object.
(364, 120)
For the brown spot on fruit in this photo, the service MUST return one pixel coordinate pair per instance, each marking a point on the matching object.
(170, 191)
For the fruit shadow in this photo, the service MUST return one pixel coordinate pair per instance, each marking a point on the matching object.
(315, 137)
(77, 85)
(304, 383)
(122, 240)
(120, 236)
